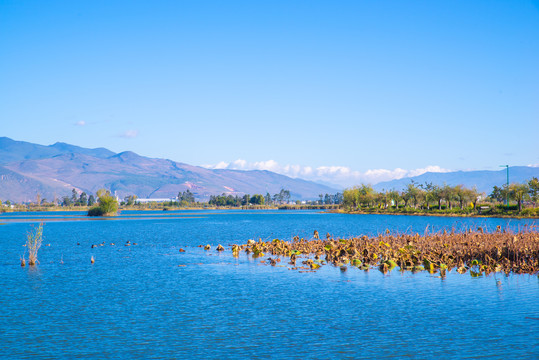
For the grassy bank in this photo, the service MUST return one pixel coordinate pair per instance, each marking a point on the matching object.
(490, 211)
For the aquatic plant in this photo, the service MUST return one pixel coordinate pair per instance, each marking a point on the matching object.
(476, 251)
(33, 243)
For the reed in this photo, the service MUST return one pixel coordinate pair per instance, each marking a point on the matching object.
(33, 243)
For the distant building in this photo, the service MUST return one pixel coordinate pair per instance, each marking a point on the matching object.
(144, 201)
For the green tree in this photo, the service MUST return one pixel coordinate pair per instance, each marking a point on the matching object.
(91, 200)
(268, 198)
(473, 196)
(66, 201)
(83, 199)
(448, 194)
(186, 197)
(107, 204)
(382, 199)
(130, 200)
(286, 195)
(257, 199)
(429, 193)
(350, 200)
(74, 197)
(533, 184)
(460, 193)
(395, 197)
(500, 194)
(411, 194)
(519, 192)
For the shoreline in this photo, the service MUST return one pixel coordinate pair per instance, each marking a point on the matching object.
(500, 216)
(322, 210)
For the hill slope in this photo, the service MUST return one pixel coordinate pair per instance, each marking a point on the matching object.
(52, 171)
(12, 150)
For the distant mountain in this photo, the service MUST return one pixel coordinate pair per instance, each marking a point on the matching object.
(483, 180)
(11, 150)
(28, 169)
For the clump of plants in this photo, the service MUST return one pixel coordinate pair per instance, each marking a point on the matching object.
(33, 243)
(473, 250)
(107, 205)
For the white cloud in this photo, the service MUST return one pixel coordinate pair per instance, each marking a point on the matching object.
(80, 123)
(129, 134)
(339, 175)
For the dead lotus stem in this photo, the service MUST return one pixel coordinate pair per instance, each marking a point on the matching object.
(478, 251)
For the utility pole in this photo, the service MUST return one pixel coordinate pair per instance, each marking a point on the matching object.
(507, 188)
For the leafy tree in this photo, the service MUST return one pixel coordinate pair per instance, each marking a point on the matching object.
(461, 194)
(268, 198)
(350, 199)
(257, 199)
(286, 195)
(130, 200)
(519, 192)
(473, 196)
(437, 195)
(395, 197)
(500, 194)
(245, 199)
(339, 198)
(430, 193)
(186, 197)
(66, 201)
(533, 184)
(282, 196)
(74, 196)
(107, 204)
(91, 200)
(411, 194)
(382, 198)
(83, 199)
(448, 194)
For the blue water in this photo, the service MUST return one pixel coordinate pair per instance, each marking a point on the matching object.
(136, 302)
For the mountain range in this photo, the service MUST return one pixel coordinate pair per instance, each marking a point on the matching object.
(482, 180)
(52, 171)
(28, 169)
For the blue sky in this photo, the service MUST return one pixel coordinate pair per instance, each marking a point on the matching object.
(337, 91)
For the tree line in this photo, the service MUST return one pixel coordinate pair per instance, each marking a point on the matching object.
(429, 196)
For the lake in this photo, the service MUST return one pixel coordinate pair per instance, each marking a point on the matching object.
(150, 301)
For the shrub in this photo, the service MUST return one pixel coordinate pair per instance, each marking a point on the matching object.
(107, 205)
(96, 211)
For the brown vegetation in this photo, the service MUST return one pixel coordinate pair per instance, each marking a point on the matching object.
(473, 251)
(33, 243)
